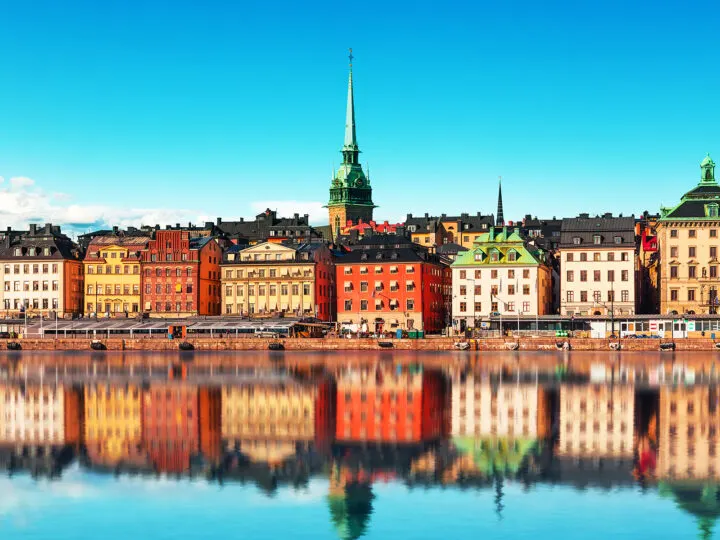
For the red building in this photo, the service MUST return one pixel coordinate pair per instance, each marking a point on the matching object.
(180, 422)
(390, 406)
(181, 274)
(388, 282)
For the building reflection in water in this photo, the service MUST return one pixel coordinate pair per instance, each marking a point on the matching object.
(360, 426)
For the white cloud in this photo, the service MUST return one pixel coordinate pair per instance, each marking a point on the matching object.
(318, 214)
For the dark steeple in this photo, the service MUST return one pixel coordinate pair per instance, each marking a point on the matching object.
(500, 220)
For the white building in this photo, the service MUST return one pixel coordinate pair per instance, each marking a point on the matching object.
(501, 274)
(598, 266)
(32, 415)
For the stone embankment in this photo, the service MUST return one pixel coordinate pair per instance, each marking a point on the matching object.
(336, 344)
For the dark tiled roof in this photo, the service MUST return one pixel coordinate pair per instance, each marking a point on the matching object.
(383, 240)
(258, 230)
(468, 222)
(450, 249)
(608, 228)
(36, 240)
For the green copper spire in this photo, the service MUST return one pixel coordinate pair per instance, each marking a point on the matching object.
(350, 148)
(707, 166)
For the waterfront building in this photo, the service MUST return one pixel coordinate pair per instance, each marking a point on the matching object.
(390, 405)
(597, 420)
(270, 421)
(279, 278)
(180, 422)
(181, 275)
(648, 263)
(112, 274)
(689, 427)
(350, 190)
(41, 272)
(502, 274)
(545, 233)
(113, 423)
(688, 241)
(434, 231)
(39, 415)
(268, 227)
(388, 282)
(599, 266)
(481, 409)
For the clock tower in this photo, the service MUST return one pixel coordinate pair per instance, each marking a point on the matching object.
(350, 191)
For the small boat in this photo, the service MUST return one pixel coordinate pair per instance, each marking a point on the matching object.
(276, 346)
(615, 346)
(185, 346)
(512, 345)
(562, 345)
(97, 345)
(461, 345)
(13, 346)
(670, 346)
(385, 344)
(717, 345)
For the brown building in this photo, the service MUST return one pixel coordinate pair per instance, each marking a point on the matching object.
(181, 275)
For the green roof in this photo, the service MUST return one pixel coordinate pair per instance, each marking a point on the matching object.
(503, 242)
(496, 455)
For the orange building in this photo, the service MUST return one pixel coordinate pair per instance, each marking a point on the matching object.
(389, 406)
(180, 422)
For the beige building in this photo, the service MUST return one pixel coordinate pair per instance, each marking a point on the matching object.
(270, 278)
(688, 243)
(598, 265)
(32, 415)
(689, 425)
(509, 410)
(597, 420)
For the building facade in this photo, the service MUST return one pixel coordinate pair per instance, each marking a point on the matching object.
(350, 191)
(688, 242)
(42, 272)
(502, 274)
(434, 231)
(388, 282)
(279, 278)
(390, 406)
(112, 275)
(599, 267)
(181, 275)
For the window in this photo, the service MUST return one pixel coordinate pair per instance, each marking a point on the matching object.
(596, 256)
(691, 252)
(624, 275)
(611, 296)
(512, 256)
(625, 296)
(494, 256)
(463, 290)
(713, 271)
(363, 286)
(478, 290)
(463, 274)
(713, 252)
(674, 252)
(526, 290)
(618, 240)
(611, 256)
(623, 256)
(463, 307)
(611, 275)
(713, 233)
(691, 233)
(410, 304)
(583, 275)
(691, 295)
(597, 239)
(597, 296)
(526, 273)
(673, 295)
(692, 271)
(570, 276)
(410, 269)
(570, 296)
(674, 271)
(478, 306)
(493, 274)
(363, 305)
(576, 240)
(569, 257)
(348, 305)
(583, 257)
(511, 274)
(583, 296)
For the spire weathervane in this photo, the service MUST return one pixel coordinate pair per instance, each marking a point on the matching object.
(350, 56)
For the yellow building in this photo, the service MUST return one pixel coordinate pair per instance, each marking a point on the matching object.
(113, 422)
(689, 428)
(112, 274)
(433, 231)
(267, 420)
(269, 278)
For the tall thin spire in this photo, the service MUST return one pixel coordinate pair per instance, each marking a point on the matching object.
(499, 219)
(350, 148)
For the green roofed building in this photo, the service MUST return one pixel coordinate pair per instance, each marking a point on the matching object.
(688, 243)
(503, 274)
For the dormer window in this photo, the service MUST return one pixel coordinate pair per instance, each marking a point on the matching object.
(478, 256)
(576, 240)
(494, 256)
(363, 257)
(46, 251)
(712, 210)
(597, 239)
(618, 240)
(512, 256)
(18, 252)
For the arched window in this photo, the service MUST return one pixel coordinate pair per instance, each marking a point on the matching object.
(337, 225)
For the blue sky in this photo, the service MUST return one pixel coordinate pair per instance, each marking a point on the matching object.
(165, 111)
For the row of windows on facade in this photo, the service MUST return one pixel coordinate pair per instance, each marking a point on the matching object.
(596, 256)
(32, 397)
(692, 233)
(36, 435)
(675, 295)
(692, 271)
(380, 304)
(272, 290)
(273, 273)
(18, 286)
(392, 417)
(379, 270)
(379, 286)
(582, 427)
(110, 431)
(108, 269)
(496, 255)
(33, 251)
(494, 274)
(391, 433)
(117, 307)
(240, 308)
(33, 415)
(35, 303)
(597, 296)
(597, 239)
(494, 307)
(114, 289)
(594, 447)
(597, 275)
(692, 252)
(26, 268)
(154, 257)
(508, 411)
(524, 430)
(495, 289)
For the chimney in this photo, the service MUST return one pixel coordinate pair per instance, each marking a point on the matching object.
(426, 215)
(177, 225)
(48, 228)
(33, 228)
(584, 215)
(608, 215)
(218, 221)
(115, 229)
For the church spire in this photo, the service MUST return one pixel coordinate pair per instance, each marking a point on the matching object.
(350, 149)
(499, 219)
